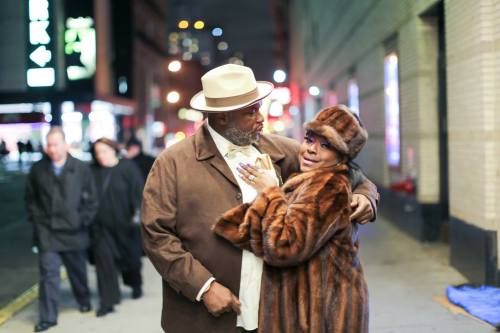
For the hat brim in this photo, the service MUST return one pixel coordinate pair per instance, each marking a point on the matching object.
(198, 101)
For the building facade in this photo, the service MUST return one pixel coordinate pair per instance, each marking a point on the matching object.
(94, 67)
(424, 77)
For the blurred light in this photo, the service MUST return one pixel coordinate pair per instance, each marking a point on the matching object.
(293, 110)
(122, 85)
(282, 95)
(173, 97)
(158, 129)
(278, 126)
(183, 24)
(80, 41)
(67, 107)
(279, 76)
(276, 109)
(353, 95)
(205, 60)
(40, 77)
(187, 42)
(217, 32)
(190, 114)
(174, 66)
(194, 48)
(38, 32)
(180, 135)
(174, 49)
(222, 46)
(39, 10)
(199, 25)
(16, 108)
(71, 117)
(173, 37)
(187, 56)
(102, 121)
(236, 61)
(314, 91)
(48, 117)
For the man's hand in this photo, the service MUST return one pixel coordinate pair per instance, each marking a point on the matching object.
(218, 299)
(362, 211)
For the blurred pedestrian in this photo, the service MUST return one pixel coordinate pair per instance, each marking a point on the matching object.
(116, 243)
(4, 151)
(21, 148)
(61, 202)
(136, 154)
(208, 285)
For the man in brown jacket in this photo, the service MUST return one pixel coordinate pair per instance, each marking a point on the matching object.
(209, 285)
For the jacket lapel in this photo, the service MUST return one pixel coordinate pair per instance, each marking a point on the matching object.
(206, 150)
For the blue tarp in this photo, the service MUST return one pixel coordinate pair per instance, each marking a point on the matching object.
(482, 302)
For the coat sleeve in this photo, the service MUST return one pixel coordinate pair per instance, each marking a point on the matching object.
(30, 196)
(176, 265)
(362, 185)
(289, 233)
(136, 186)
(88, 202)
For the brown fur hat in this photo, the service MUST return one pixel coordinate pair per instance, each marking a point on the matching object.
(341, 127)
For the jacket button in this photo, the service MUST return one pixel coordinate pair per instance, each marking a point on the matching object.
(238, 196)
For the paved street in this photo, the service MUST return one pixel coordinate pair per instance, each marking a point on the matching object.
(18, 265)
(403, 277)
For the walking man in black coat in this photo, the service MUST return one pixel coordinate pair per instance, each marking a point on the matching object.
(61, 202)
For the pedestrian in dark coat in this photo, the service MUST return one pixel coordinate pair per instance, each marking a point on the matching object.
(313, 281)
(61, 202)
(136, 154)
(116, 241)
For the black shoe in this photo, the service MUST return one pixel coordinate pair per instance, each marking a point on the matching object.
(104, 311)
(43, 326)
(85, 308)
(136, 293)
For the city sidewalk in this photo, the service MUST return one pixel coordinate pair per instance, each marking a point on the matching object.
(404, 276)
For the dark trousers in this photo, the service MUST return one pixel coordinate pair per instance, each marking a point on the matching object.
(49, 265)
(107, 274)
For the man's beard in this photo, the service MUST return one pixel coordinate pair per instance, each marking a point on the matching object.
(239, 137)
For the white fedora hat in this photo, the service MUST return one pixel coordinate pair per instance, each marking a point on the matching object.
(229, 88)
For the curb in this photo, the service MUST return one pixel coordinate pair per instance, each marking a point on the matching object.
(23, 300)
(19, 303)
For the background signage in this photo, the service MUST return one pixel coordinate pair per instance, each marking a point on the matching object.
(40, 71)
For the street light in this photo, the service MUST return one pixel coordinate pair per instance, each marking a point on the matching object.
(314, 91)
(198, 25)
(279, 76)
(174, 66)
(217, 32)
(173, 97)
(183, 24)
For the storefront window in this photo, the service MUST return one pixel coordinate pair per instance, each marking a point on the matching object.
(353, 95)
(391, 87)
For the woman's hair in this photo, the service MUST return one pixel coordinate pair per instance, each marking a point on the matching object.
(111, 143)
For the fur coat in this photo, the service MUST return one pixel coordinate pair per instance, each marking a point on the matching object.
(313, 281)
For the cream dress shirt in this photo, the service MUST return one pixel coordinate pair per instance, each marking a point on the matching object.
(251, 265)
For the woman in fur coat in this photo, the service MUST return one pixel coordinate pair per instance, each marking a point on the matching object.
(313, 281)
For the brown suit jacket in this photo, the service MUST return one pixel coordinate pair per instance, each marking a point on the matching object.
(188, 189)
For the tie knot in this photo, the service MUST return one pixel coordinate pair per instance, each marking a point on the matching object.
(234, 150)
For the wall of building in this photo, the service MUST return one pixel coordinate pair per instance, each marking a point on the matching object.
(473, 54)
(332, 41)
(13, 35)
(329, 46)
